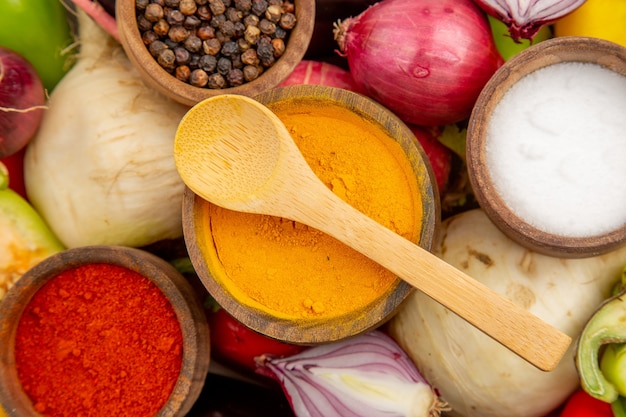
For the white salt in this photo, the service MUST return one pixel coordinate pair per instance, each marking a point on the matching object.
(556, 149)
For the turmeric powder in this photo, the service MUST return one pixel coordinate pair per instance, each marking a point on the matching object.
(293, 271)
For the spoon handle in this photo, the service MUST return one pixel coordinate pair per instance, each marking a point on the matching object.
(511, 325)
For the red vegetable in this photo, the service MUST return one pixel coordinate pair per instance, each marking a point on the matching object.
(237, 345)
(439, 155)
(581, 404)
(15, 166)
(21, 101)
(321, 73)
(426, 60)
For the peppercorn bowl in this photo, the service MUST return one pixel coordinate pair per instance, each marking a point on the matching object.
(545, 147)
(290, 281)
(102, 330)
(190, 50)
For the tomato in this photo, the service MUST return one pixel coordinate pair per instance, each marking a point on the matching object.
(15, 165)
(604, 19)
(237, 345)
(39, 30)
(581, 404)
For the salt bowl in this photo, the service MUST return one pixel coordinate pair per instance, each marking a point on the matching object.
(546, 147)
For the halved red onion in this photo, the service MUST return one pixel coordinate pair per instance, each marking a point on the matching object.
(524, 18)
(368, 375)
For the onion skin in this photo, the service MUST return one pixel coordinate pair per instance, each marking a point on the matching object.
(426, 60)
(525, 18)
(22, 101)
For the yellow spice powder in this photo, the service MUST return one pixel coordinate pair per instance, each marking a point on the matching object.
(295, 271)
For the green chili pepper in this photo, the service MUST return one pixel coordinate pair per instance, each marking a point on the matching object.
(601, 350)
(40, 31)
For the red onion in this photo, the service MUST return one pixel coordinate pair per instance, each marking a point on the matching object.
(321, 73)
(22, 102)
(367, 375)
(426, 60)
(524, 18)
(439, 155)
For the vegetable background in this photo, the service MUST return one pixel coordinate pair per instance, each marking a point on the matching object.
(99, 183)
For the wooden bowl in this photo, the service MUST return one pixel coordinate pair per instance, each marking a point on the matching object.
(310, 330)
(540, 239)
(188, 309)
(159, 79)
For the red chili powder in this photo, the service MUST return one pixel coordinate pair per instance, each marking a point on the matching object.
(98, 340)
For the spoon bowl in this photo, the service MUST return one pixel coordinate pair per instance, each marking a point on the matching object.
(221, 155)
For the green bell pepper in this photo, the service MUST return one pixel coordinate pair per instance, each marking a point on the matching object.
(40, 31)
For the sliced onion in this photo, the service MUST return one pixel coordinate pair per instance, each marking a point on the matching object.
(426, 60)
(367, 375)
(524, 18)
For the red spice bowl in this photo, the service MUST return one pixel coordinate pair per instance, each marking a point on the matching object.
(102, 331)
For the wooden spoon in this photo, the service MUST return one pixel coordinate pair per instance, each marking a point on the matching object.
(234, 152)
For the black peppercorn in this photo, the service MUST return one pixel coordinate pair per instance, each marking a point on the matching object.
(175, 17)
(251, 20)
(216, 81)
(153, 12)
(258, 7)
(235, 77)
(252, 35)
(178, 33)
(193, 44)
(183, 72)
(191, 22)
(288, 21)
(205, 32)
(250, 72)
(211, 46)
(266, 27)
(243, 5)
(224, 65)
(198, 78)
(143, 24)
(167, 59)
(148, 37)
(188, 7)
(273, 13)
(229, 48)
(215, 43)
(161, 27)
(279, 47)
(156, 48)
(204, 12)
(228, 29)
(217, 6)
(208, 63)
(183, 56)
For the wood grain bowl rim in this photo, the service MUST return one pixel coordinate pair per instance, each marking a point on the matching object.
(188, 309)
(313, 331)
(543, 54)
(159, 79)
